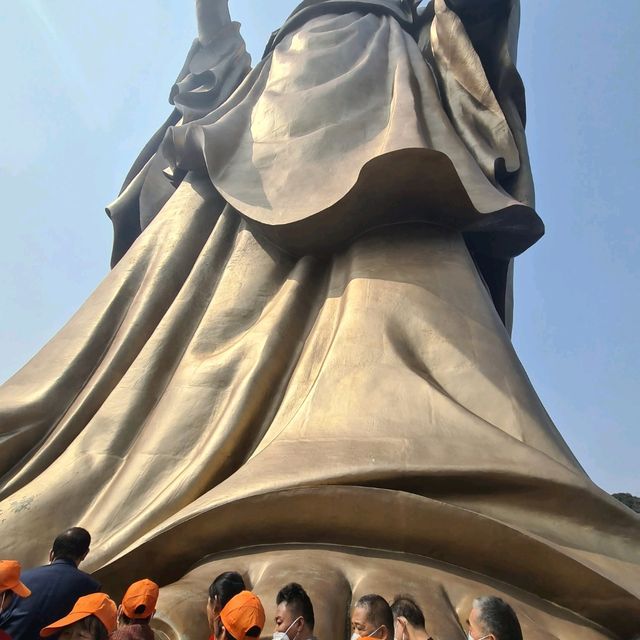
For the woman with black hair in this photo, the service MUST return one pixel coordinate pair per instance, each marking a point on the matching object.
(221, 590)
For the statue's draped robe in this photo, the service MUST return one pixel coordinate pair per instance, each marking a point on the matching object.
(303, 341)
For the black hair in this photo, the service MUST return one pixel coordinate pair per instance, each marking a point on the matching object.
(254, 632)
(405, 606)
(141, 608)
(71, 544)
(94, 626)
(226, 586)
(378, 611)
(498, 618)
(294, 596)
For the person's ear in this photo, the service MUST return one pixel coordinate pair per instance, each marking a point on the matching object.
(217, 627)
(50, 555)
(401, 621)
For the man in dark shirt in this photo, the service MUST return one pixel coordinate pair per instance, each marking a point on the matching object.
(54, 587)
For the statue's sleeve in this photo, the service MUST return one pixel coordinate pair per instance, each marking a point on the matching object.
(474, 63)
(215, 65)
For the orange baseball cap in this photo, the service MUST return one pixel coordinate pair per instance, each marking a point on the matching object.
(99, 605)
(140, 599)
(243, 612)
(10, 578)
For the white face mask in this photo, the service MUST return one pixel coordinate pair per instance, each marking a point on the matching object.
(470, 637)
(356, 636)
(282, 635)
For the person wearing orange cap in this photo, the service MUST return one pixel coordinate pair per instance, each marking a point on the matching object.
(136, 610)
(372, 619)
(93, 617)
(224, 587)
(242, 617)
(10, 587)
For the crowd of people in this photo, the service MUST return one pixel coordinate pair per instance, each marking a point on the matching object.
(59, 600)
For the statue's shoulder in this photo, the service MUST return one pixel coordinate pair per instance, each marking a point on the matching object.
(309, 9)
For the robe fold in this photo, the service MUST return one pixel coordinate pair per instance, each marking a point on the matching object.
(299, 365)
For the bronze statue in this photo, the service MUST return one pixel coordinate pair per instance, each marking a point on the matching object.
(300, 366)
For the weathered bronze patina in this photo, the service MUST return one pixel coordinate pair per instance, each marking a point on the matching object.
(300, 366)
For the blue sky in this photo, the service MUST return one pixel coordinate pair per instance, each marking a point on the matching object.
(83, 90)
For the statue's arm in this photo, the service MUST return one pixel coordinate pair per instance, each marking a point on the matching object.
(212, 16)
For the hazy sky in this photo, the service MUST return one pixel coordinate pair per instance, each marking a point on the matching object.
(87, 83)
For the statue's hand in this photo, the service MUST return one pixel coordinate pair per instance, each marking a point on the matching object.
(212, 16)
(478, 10)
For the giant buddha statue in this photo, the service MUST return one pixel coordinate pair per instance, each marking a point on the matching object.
(300, 365)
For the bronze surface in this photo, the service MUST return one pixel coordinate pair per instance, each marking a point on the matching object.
(300, 365)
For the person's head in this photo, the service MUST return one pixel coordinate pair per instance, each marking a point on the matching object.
(10, 584)
(372, 618)
(491, 618)
(242, 617)
(72, 544)
(221, 590)
(294, 619)
(89, 628)
(406, 613)
(93, 617)
(138, 603)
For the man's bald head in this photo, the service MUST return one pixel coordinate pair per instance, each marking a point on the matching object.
(72, 544)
